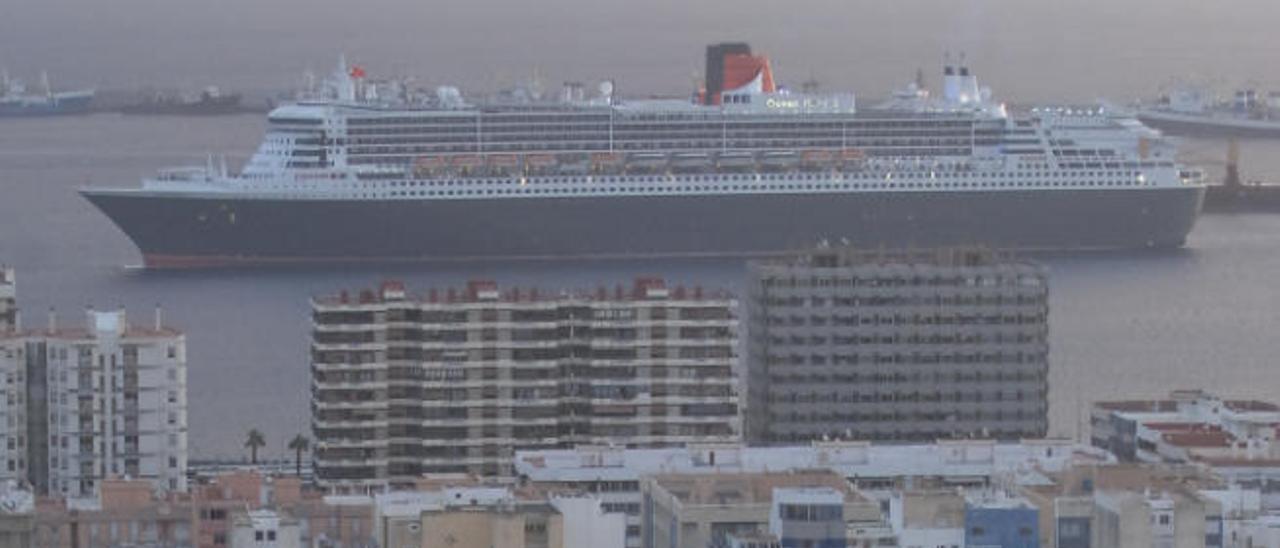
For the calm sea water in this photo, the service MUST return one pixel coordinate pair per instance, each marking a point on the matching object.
(1122, 325)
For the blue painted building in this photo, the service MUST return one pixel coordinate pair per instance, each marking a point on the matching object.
(1001, 522)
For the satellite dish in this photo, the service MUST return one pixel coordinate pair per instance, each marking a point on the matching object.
(606, 88)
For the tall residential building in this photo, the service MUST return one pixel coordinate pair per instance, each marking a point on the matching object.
(8, 299)
(456, 381)
(102, 400)
(896, 346)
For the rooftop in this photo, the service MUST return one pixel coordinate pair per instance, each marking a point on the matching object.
(967, 458)
(479, 291)
(96, 324)
(1199, 439)
(748, 488)
(843, 256)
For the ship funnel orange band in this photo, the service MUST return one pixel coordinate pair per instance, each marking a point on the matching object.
(732, 66)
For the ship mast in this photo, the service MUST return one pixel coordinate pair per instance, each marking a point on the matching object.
(1232, 178)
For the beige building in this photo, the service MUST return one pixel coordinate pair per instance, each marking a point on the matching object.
(534, 525)
(1123, 505)
(455, 381)
(130, 513)
(701, 510)
(459, 511)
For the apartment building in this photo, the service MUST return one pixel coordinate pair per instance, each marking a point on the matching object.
(97, 400)
(896, 346)
(455, 381)
(8, 299)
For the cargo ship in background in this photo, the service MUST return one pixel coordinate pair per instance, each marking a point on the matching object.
(210, 101)
(1197, 113)
(1236, 195)
(743, 167)
(17, 101)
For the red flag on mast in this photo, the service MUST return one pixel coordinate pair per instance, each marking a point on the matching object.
(357, 72)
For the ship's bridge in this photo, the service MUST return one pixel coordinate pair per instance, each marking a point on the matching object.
(299, 137)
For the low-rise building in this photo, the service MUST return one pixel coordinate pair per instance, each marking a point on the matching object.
(131, 513)
(1237, 439)
(815, 508)
(462, 512)
(265, 529)
(927, 518)
(1000, 518)
(1122, 505)
(17, 516)
(614, 473)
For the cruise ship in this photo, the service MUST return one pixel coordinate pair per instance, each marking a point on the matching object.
(370, 172)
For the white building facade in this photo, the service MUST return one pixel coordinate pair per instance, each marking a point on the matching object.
(104, 400)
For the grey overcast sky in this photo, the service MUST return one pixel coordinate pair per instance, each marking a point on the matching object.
(1026, 49)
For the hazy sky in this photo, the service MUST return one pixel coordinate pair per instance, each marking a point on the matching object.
(1026, 49)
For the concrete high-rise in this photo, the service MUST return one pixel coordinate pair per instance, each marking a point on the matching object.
(8, 299)
(896, 346)
(100, 400)
(457, 380)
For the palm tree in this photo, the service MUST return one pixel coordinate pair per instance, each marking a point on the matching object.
(254, 440)
(299, 443)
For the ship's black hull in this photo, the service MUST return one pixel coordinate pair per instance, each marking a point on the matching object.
(195, 231)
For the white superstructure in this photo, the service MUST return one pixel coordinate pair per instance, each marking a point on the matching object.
(350, 142)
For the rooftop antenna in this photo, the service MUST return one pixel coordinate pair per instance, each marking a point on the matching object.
(811, 85)
(606, 91)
